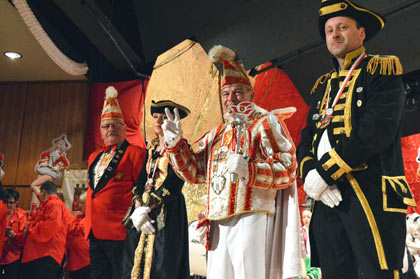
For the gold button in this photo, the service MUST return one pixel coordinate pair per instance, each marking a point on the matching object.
(325, 167)
(334, 176)
(359, 103)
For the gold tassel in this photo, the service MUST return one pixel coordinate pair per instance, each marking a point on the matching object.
(388, 65)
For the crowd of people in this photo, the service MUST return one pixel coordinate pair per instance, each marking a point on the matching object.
(34, 244)
(349, 159)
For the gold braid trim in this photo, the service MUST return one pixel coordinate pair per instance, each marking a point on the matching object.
(389, 65)
(149, 256)
(138, 254)
(320, 80)
(144, 252)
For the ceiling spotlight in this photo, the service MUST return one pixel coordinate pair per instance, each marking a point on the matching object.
(12, 54)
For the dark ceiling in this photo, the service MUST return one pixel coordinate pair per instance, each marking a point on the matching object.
(120, 39)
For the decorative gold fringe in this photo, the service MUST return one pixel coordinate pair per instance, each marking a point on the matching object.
(389, 65)
(320, 80)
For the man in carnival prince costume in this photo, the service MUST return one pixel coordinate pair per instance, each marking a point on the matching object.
(249, 166)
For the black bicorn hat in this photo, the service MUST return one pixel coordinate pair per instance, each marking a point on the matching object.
(159, 107)
(371, 21)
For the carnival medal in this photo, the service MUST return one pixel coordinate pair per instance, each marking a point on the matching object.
(326, 118)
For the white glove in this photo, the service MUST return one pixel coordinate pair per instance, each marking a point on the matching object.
(236, 163)
(171, 128)
(314, 184)
(147, 227)
(140, 217)
(331, 196)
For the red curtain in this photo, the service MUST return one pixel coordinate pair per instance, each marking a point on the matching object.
(131, 97)
(273, 90)
(410, 146)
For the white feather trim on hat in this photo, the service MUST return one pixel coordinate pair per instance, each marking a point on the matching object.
(219, 52)
(111, 92)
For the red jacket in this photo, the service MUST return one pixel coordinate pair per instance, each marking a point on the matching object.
(47, 232)
(77, 246)
(12, 248)
(107, 204)
(3, 223)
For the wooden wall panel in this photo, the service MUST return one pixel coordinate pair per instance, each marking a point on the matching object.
(12, 105)
(48, 110)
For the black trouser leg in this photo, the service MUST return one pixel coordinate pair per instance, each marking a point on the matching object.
(105, 258)
(83, 273)
(43, 268)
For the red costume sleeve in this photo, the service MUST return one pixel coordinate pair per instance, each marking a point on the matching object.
(45, 155)
(62, 160)
(48, 225)
(19, 240)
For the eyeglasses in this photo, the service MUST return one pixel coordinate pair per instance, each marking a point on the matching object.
(113, 125)
(11, 202)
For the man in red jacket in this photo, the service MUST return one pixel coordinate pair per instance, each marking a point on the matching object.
(13, 240)
(112, 174)
(45, 236)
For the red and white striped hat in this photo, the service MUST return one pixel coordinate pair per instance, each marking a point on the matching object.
(233, 70)
(111, 109)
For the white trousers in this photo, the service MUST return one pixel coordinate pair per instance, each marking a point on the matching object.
(238, 247)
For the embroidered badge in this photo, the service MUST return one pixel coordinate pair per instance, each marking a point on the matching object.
(118, 176)
(166, 192)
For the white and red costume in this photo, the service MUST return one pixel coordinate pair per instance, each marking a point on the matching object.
(248, 217)
(54, 160)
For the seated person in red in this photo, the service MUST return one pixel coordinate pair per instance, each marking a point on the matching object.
(77, 246)
(13, 240)
(46, 236)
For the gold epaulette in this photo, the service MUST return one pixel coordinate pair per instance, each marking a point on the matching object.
(389, 65)
(320, 80)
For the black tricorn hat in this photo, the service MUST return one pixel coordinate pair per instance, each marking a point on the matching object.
(159, 107)
(371, 21)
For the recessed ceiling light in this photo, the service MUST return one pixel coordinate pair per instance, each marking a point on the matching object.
(12, 54)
